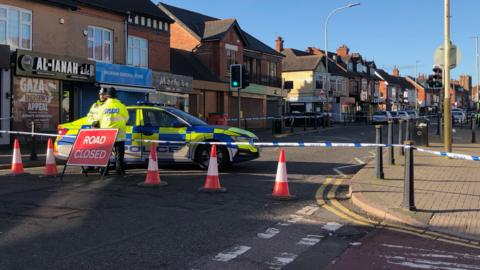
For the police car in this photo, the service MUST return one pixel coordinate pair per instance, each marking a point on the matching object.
(147, 122)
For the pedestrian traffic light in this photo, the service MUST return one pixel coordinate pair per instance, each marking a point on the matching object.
(236, 76)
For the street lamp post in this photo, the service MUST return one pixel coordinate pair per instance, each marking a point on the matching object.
(327, 83)
(447, 115)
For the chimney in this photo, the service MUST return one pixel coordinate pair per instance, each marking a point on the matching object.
(396, 73)
(279, 44)
(343, 51)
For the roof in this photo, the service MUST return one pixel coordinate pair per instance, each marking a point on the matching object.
(400, 81)
(296, 60)
(62, 3)
(144, 7)
(186, 63)
(204, 27)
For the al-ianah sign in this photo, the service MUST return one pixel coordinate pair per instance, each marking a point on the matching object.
(54, 67)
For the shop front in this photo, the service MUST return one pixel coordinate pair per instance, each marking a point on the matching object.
(133, 84)
(172, 90)
(46, 90)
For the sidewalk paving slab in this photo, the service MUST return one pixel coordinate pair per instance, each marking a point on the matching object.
(447, 191)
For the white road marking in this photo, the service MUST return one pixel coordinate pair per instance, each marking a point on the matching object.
(231, 253)
(435, 251)
(307, 210)
(340, 173)
(310, 240)
(359, 161)
(269, 233)
(355, 244)
(332, 226)
(281, 223)
(282, 260)
(294, 219)
(428, 264)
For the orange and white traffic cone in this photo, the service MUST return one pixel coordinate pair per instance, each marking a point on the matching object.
(17, 165)
(212, 182)
(153, 177)
(280, 190)
(50, 165)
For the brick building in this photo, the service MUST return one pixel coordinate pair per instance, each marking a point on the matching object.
(218, 43)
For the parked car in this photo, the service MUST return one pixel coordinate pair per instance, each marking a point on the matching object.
(403, 115)
(147, 122)
(413, 114)
(458, 116)
(395, 116)
(380, 117)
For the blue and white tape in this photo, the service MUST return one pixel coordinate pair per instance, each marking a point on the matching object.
(447, 154)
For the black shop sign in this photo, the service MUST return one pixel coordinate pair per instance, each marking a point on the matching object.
(54, 67)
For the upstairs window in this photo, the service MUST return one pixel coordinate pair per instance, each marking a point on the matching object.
(16, 27)
(100, 44)
(231, 55)
(137, 52)
(272, 69)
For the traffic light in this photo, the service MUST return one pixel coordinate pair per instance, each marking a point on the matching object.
(245, 77)
(236, 76)
(436, 80)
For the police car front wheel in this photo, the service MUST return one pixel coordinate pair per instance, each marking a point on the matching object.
(202, 156)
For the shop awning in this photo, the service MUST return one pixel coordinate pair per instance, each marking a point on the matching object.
(137, 89)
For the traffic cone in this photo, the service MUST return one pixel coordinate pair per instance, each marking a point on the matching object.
(153, 176)
(17, 165)
(50, 165)
(212, 182)
(280, 189)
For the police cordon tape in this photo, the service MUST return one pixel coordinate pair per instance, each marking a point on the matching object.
(278, 144)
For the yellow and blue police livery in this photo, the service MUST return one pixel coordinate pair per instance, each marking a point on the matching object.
(148, 122)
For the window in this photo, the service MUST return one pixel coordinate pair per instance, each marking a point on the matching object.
(142, 21)
(160, 25)
(165, 27)
(137, 52)
(136, 20)
(319, 81)
(132, 117)
(154, 24)
(231, 58)
(149, 22)
(157, 118)
(350, 66)
(100, 44)
(16, 27)
(272, 70)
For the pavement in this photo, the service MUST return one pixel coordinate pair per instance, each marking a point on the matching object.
(447, 191)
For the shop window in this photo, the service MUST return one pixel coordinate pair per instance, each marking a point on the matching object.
(16, 27)
(137, 52)
(231, 58)
(100, 44)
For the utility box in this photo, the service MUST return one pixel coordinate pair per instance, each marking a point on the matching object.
(420, 134)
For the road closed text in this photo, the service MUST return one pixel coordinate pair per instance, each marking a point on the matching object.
(92, 147)
(90, 154)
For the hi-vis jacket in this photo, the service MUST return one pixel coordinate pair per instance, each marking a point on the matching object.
(114, 114)
(92, 115)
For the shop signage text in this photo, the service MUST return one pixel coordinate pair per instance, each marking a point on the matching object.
(49, 66)
(123, 75)
(168, 82)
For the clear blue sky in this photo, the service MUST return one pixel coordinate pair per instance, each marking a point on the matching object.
(391, 32)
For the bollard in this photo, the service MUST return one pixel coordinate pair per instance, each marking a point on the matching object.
(391, 158)
(305, 122)
(323, 121)
(292, 123)
(273, 126)
(315, 119)
(474, 126)
(33, 151)
(379, 155)
(245, 123)
(408, 193)
(400, 137)
(344, 119)
(439, 123)
(407, 129)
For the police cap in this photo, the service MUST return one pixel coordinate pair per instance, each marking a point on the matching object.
(112, 92)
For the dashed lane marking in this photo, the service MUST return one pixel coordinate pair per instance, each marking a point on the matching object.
(269, 233)
(310, 240)
(332, 226)
(231, 253)
(282, 260)
(361, 162)
(308, 210)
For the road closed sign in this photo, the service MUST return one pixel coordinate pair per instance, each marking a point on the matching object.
(92, 147)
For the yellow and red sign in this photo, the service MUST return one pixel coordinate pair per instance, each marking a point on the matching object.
(92, 147)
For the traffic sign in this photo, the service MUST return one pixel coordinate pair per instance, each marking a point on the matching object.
(455, 56)
(92, 147)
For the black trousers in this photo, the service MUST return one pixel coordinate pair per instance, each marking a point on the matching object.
(119, 156)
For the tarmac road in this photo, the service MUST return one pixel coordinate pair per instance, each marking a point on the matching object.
(87, 223)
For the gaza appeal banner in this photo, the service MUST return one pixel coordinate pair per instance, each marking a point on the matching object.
(37, 100)
(92, 147)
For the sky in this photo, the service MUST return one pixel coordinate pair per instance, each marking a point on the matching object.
(390, 32)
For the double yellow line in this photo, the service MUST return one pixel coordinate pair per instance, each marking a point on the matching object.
(326, 198)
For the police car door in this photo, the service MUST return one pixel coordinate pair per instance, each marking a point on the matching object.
(133, 144)
(161, 125)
